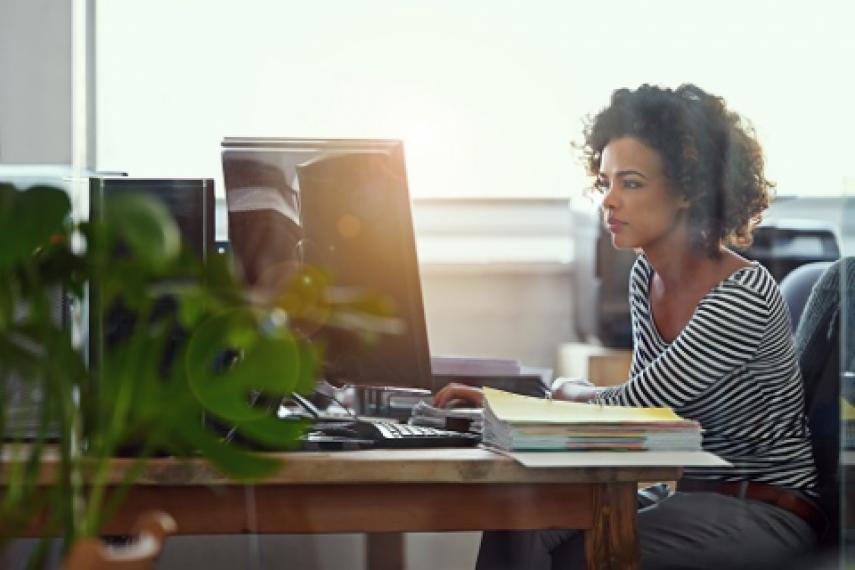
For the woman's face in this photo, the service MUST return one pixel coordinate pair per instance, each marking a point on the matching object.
(639, 207)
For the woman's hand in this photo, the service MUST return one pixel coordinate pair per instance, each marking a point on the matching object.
(471, 396)
(573, 389)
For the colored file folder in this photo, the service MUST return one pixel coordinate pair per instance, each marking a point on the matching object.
(515, 422)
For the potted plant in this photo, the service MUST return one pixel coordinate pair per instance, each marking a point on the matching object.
(147, 391)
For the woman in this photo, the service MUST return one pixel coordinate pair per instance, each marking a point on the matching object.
(681, 177)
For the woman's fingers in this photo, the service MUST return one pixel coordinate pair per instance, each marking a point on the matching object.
(470, 395)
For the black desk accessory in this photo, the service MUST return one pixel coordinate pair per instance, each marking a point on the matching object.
(329, 432)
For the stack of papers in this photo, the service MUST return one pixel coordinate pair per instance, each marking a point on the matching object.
(521, 423)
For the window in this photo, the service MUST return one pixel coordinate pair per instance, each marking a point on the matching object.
(486, 95)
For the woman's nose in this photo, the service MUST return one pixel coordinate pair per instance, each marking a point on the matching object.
(610, 198)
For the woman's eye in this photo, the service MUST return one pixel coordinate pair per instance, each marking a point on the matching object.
(632, 184)
(601, 185)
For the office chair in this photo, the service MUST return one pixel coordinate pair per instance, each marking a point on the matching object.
(797, 285)
(818, 350)
(93, 554)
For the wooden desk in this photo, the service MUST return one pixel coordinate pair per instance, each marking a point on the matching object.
(398, 491)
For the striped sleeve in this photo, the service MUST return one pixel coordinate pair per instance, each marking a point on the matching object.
(637, 292)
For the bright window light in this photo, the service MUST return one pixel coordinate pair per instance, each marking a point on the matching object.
(487, 95)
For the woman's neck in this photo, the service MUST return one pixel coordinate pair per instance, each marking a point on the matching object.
(676, 261)
(683, 269)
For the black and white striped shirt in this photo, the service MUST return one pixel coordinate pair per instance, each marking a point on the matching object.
(733, 369)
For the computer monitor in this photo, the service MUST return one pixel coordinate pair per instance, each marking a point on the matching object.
(342, 206)
(190, 201)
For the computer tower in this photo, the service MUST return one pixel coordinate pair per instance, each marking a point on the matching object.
(191, 203)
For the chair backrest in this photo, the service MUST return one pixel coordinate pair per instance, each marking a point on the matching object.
(93, 554)
(818, 350)
(797, 285)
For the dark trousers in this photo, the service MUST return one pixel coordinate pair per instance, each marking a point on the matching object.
(683, 531)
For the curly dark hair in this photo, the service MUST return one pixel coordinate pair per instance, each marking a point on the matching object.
(710, 155)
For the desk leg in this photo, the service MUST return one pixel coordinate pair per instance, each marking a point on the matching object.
(613, 541)
(384, 551)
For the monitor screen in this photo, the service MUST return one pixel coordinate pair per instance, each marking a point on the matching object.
(341, 206)
(190, 201)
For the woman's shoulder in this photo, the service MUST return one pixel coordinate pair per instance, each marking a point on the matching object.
(750, 282)
(639, 278)
(641, 268)
(743, 304)
(751, 275)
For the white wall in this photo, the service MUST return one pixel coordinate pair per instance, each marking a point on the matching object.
(35, 81)
(496, 276)
(515, 312)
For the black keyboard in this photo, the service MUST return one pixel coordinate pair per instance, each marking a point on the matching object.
(386, 435)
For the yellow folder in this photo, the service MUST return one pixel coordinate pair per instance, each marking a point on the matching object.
(517, 409)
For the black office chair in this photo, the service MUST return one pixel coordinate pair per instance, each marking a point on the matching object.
(818, 350)
(797, 285)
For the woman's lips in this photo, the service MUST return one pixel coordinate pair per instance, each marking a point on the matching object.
(615, 225)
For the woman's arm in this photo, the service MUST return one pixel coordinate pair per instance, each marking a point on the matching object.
(572, 389)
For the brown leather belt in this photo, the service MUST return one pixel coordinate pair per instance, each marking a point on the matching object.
(787, 500)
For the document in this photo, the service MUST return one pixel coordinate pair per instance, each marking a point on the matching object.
(513, 422)
(515, 408)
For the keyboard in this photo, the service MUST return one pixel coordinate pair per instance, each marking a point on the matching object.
(386, 435)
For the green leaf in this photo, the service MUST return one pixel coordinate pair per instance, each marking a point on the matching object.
(57, 264)
(132, 370)
(8, 194)
(146, 226)
(268, 361)
(271, 365)
(219, 279)
(192, 306)
(229, 459)
(273, 433)
(214, 386)
(7, 304)
(28, 219)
